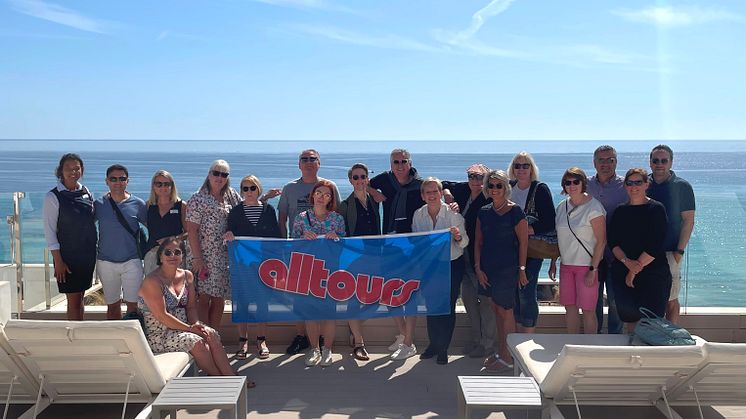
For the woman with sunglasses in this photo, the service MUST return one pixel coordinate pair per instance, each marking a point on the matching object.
(166, 215)
(581, 231)
(252, 218)
(320, 221)
(501, 244)
(168, 303)
(70, 232)
(207, 219)
(361, 218)
(535, 199)
(637, 232)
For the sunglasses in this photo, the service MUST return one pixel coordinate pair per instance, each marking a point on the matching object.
(218, 173)
(175, 252)
(115, 179)
(610, 160)
(569, 182)
(251, 188)
(494, 186)
(324, 194)
(402, 161)
(162, 184)
(475, 176)
(356, 177)
(522, 166)
(308, 159)
(659, 161)
(634, 182)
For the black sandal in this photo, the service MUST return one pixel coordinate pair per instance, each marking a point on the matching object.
(243, 348)
(360, 353)
(261, 346)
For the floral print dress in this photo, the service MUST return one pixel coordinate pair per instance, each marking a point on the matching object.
(307, 220)
(162, 339)
(212, 217)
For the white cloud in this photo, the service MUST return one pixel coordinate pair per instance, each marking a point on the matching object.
(677, 16)
(494, 8)
(380, 41)
(58, 14)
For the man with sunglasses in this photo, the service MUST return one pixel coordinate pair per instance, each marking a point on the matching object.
(470, 199)
(118, 261)
(677, 196)
(295, 199)
(608, 188)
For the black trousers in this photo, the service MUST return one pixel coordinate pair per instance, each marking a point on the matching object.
(440, 328)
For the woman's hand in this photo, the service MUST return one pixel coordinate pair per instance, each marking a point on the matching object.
(553, 270)
(633, 265)
(309, 235)
(197, 265)
(60, 268)
(376, 195)
(332, 235)
(228, 236)
(522, 280)
(482, 277)
(630, 279)
(530, 231)
(456, 234)
(590, 278)
(274, 192)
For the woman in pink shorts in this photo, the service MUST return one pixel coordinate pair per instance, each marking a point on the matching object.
(581, 232)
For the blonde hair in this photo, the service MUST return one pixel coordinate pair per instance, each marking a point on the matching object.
(222, 164)
(499, 176)
(431, 180)
(153, 199)
(524, 155)
(252, 179)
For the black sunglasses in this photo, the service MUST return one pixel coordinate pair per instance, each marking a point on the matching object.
(162, 184)
(356, 177)
(659, 161)
(115, 179)
(494, 186)
(610, 160)
(217, 173)
(634, 182)
(402, 161)
(521, 165)
(249, 188)
(568, 182)
(175, 252)
(475, 176)
(308, 159)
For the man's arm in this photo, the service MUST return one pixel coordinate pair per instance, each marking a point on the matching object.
(283, 220)
(687, 226)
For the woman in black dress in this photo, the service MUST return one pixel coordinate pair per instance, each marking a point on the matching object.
(70, 232)
(166, 215)
(640, 273)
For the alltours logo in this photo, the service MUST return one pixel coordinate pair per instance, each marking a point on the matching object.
(307, 274)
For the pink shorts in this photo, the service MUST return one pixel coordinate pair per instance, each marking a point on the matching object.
(573, 291)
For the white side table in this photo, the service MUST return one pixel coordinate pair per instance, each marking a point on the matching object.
(498, 393)
(227, 392)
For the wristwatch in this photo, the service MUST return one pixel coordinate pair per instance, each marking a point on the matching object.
(591, 268)
(680, 251)
(623, 260)
(522, 267)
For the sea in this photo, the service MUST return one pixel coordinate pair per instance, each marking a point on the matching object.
(715, 263)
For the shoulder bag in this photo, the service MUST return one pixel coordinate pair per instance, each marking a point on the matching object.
(141, 241)
(540, 246)
(657, 331)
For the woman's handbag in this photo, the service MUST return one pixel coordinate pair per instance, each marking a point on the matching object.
(540, 246)
(657, 331)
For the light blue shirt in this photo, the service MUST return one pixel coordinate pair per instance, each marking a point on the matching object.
(115, 244)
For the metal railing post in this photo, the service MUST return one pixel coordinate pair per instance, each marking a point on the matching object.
(47, 284)
(15, 222)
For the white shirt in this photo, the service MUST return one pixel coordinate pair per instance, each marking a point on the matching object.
(50, 214)
(445, 219)
(519, 196)
(572, 253)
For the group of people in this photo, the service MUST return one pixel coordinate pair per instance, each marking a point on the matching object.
(625, 233)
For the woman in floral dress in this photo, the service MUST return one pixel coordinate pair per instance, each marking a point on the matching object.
(207, 220)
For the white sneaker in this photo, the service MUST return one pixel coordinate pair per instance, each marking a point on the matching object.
(404, 352)
(326, 357)
(399, 340)
(313, 358)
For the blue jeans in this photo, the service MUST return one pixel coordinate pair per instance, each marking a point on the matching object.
(615, 324)
(526, 310)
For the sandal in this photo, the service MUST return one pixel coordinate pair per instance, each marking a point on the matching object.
(243, 348)
(360, 353)
(498, 366)
(261, 346)
(490, 360)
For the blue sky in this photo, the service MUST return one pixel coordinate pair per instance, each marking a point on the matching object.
(373, 70)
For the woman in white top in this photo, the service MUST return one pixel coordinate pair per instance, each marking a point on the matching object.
(435, 215)
(581, 232)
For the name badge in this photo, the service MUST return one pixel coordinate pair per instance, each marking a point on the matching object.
(85, 196)
(173, 211)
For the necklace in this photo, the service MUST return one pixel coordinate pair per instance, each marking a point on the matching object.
(497, 210)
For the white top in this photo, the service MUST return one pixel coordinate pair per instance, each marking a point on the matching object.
(572, 253)
(51, 212)
(519, 196)
(445, 219)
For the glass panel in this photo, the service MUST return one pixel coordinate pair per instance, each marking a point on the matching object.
(6, 209)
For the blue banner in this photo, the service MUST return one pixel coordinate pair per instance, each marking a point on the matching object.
(352, 278)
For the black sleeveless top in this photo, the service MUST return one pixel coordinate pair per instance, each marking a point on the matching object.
(76, 227)
(168, 225)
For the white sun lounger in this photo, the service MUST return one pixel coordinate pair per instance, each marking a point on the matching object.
(602, 369)
(91, 361)
(17, 385)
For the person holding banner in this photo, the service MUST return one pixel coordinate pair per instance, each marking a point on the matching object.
(320, 221)
(362, 218)
(252, 218)
(500, 251)
(436, 215)
(168, 303)
(207, 218)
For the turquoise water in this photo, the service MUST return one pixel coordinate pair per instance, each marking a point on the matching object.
(716, 257)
